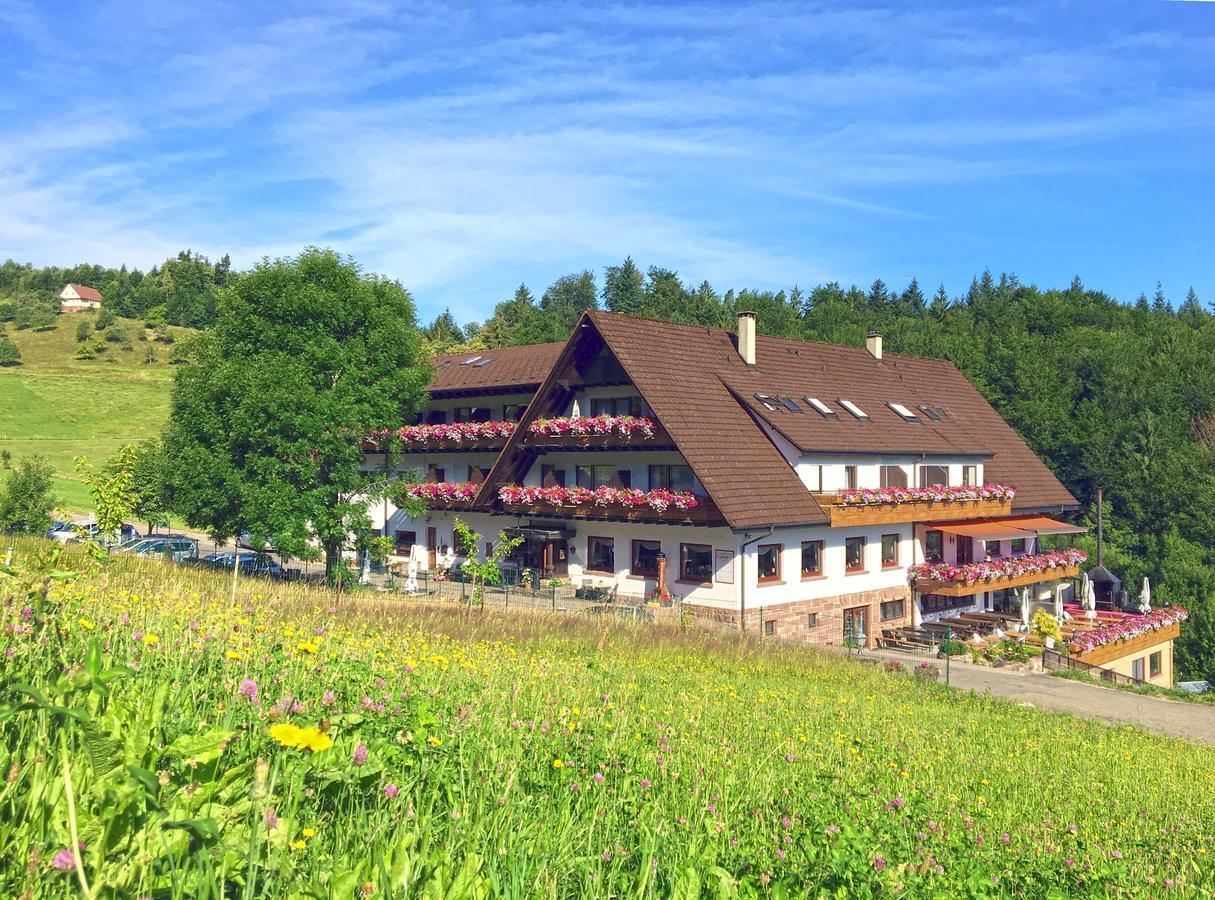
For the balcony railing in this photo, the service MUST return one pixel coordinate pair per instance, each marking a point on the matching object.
(448, 436)
(936, 503)
(598, 432)
(998, 574)
(622, 504)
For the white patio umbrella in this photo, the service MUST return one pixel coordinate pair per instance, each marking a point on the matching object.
(917, 617)
(1025, 609)
(1145, 597)
(1059, 614)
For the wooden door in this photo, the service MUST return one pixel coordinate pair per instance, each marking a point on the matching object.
(432, 547)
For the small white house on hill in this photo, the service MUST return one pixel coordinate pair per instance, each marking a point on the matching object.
(76, 297)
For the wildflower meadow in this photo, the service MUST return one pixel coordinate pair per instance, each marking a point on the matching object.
(160, 740)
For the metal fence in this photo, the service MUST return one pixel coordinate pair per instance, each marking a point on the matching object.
(1053, 659)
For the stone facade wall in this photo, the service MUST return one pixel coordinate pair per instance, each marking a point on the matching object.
(790, 621)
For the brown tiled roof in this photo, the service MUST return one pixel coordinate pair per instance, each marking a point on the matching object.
(677, 369)
(692, 377)
(86, 293)
(510, 367)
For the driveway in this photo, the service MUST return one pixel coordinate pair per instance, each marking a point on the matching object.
(1191, 721)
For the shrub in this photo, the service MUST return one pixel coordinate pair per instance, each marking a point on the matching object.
(952, 648)
(8, 310)
(105, 318)
(83, 331)
(149, 356)
(1046, 626)
(10, 353)
(116, 336)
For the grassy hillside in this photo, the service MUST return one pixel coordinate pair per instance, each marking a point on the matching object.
(60, 406)
(285, 746)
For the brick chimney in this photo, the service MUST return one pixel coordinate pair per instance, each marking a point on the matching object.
(746, 337)
(873, 343)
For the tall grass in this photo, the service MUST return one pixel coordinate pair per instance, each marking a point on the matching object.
(442, 752)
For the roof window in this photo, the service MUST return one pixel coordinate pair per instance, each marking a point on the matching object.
(484, 362)
(823, 409)
(789, 403)
(853, 408)
(908, 415)
(929, 412)
(470, 360)
(769, 404)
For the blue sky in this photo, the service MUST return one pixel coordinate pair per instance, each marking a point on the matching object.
(464, 149)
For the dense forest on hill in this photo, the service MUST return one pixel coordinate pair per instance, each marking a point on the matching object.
(1111, 395)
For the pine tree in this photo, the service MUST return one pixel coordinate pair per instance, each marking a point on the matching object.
(624, 287)
(1141, 303)
(1191, 311)
(1160, 305)
(564, 302)
(877, 294)
(912, 299)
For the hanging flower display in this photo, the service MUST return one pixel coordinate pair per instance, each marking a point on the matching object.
(931, 494)
(444, 433)
(442, 491)
(658, 499)
(588, 426)
(1128, 627)
(973, 573)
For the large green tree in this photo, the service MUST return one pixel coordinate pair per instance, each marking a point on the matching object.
(306, 356)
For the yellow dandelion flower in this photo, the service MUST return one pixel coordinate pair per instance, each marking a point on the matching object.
(308, 832)
(232, 654)
(299, 845)
(150, 639)
(558, 764)
(86, 624)
(306, 647)
(434, 741)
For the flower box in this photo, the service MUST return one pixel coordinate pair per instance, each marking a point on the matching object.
(444, 493)
(633, 432)
(607, 502)
(998, 574)
(444, 436)
(937, 503)
(1158, 625)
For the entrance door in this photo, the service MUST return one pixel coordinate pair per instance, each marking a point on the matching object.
(966, 550)
(856, 626)
(432, 547)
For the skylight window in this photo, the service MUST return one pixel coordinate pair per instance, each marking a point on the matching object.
(484, 362)
(769, 404)
(929, 412)
(908, 415)
(824, 410)
(853, 408)
(789, 403)
(470, 360)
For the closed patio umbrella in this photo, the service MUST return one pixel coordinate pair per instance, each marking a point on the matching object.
(917, 618)
(1059, 614)
(1025, 609)
(1145, 597)
(1090, 600)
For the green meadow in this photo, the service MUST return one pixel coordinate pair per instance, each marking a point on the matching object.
(62, 407)
(160, 740)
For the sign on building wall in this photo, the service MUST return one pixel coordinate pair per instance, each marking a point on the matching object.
(723, 562)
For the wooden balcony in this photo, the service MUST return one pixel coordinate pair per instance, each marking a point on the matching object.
(440, 445)
(1100, 656)
(706, 513)
(843, 515)
(960, 589)
(660, 441)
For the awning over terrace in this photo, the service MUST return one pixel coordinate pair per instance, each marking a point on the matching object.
(1009, 529)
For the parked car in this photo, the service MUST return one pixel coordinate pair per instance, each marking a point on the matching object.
(176, 547)
(251, 563)
(70, 532)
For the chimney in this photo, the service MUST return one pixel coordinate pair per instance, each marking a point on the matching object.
(746, 337)
(873, 343)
